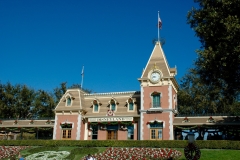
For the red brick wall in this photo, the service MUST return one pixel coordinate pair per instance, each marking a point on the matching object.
(147, 101)
(70, 119)
(122, 135)
(102, 134)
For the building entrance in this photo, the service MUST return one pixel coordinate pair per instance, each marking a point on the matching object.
(112, 135)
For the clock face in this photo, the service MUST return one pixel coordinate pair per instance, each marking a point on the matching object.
(155, 76)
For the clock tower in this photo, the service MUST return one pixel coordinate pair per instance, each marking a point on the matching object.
(158, 97)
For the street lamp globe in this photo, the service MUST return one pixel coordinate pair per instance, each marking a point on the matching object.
(190, 137)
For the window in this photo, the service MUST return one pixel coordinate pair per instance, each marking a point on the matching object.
(156, 131)
(156, 100)
(130, 104)
(66, 134)
(94, 132)
(96, 104)
(95, 107)
(130, 132)
(69, 101)
(113, 105)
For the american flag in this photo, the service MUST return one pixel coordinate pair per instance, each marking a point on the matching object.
(159, 23)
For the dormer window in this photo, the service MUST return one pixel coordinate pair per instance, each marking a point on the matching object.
(68, 100)
(156, 99)
(96, 105)
(130, 104)
(113, 105)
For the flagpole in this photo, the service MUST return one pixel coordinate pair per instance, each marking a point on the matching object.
(82, 77)
(158, 27)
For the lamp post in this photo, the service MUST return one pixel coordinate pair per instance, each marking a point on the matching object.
(190, 137)
(191, 151)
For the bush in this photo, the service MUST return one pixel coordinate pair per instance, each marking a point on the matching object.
(209, 144)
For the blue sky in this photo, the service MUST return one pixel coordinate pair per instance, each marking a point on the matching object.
(44, 43)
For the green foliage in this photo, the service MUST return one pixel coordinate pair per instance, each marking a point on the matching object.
(81, 151)
(44, 104)
(203, 144)
(42, 149)
(213, 84)
(15, 101)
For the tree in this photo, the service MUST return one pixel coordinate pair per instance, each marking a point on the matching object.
(194, 97)
(58, 92)
(217, 68)
(44, 104)
(15, 101)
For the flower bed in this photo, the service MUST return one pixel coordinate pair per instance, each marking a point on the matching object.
(7, 151)
(137, 153)
(49, 155)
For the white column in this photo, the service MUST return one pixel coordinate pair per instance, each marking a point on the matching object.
(170, 113)
(79, 127)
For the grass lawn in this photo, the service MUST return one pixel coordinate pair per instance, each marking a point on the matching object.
(216, 154)
(206, 154)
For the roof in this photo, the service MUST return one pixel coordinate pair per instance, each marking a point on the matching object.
(206, 120)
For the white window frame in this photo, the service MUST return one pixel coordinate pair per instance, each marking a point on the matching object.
(160, 96)
(67, 96)
(133, 102)
(98, 103)
(116, 106)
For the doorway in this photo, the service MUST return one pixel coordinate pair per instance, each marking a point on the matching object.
(112, 135)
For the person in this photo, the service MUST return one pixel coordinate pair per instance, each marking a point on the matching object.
(89, 157)
(20, 156)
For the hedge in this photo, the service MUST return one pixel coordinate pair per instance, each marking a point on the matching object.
(205, 144)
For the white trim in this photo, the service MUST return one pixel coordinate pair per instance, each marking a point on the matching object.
(80, 99)
(171, 126)
(134, 106)
(112, 93)
(141, 126)
(93, 106)
(55, 127)
(171, 114)
(85, 132)
(110, 105)
(170, 97)
(79, 127)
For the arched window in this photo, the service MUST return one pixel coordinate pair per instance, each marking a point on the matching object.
(130, 104)
(112, 105)
(69, 101)
(156, 100)
(95, 106)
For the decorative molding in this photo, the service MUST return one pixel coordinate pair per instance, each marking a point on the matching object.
(113, 93)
